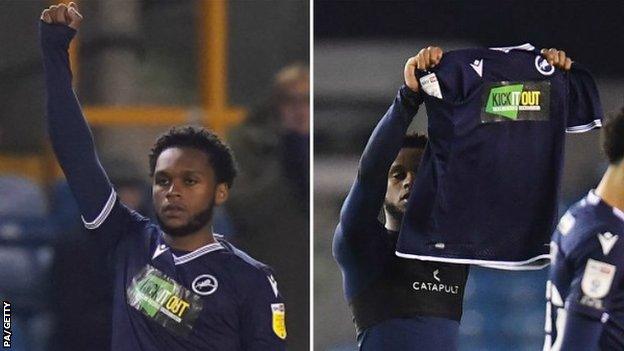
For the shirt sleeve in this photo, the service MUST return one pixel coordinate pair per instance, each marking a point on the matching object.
(585, 109)
(264, 316)
(102, 212)
(357, 238)
(69, 133)
(580, 333)
(595, 290)
(365, 199)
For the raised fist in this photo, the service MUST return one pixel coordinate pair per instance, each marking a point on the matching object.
(62, 14)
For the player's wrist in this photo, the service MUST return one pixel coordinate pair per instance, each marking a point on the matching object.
(55, 36)
(410, 96)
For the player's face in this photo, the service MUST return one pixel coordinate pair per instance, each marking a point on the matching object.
(400, 179)
(185, 191)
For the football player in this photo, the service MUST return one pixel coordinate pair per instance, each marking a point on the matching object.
(177, 285)
(398, 304)
(585, 291)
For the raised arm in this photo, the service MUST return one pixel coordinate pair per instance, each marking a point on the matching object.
(70, 135)
(365, 198)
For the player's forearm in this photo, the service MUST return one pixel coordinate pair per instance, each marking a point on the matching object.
(69, 133)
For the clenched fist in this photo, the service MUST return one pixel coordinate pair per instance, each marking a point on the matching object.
(62, 14)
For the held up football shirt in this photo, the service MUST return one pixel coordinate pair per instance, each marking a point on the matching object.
(486, 192)
(585, 291)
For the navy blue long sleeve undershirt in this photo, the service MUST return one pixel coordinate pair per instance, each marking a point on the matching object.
(70, 135)
(360, 238)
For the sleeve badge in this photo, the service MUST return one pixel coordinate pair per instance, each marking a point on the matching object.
(279, 319)
(597, 279)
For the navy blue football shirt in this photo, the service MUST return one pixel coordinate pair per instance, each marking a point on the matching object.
(213, 298)
(487, 188)
(585, 291)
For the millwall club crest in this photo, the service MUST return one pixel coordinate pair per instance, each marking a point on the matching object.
(542, 66)
(205, 284)
(279, 319)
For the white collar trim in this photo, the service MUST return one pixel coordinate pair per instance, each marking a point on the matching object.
(197, 253)
(618, 213)
(507, 49)
(592, 198)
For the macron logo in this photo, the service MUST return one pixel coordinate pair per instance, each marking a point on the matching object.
(607, 241)
(273, 284)
(477, 65)
(159, 250)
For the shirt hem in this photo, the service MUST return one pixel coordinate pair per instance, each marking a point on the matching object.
(597, 123)
(534, 263)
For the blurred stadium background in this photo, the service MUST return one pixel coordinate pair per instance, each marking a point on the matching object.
(359, 53)
(141, 67)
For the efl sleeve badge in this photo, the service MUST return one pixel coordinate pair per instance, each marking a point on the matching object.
(597, 279)
(279, 319)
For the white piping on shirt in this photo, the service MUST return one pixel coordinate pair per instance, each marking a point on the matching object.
(597, 123)
(108, 207)
(197, 253)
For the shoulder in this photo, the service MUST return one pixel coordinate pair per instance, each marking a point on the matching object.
(243, 263)
(591, 230)
(254, 279)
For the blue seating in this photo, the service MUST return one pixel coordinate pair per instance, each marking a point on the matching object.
(26, 231)
(503, 310)
(21, 197)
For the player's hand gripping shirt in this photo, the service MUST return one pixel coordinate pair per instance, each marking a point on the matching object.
(486, 192)
(585, 291)
(214, 298)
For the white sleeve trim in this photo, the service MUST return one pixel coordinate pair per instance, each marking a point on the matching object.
(597, 123)
(108, 207)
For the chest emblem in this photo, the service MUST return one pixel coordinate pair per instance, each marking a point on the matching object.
(163, 300)
(205, 284)
(542, 66)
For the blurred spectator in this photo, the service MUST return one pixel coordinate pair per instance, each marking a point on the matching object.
(269, 204)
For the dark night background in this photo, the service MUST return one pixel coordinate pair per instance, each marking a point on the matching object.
(591, 31)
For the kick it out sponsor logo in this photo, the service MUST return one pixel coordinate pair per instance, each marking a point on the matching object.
(6, 324)
(158, 296)
(508, 100)
(164, 300)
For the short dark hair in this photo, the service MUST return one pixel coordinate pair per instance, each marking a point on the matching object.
(415, 140)
(219, 154)
(613, 138)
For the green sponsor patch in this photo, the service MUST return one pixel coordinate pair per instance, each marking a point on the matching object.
(163, 300)
(516, 101)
